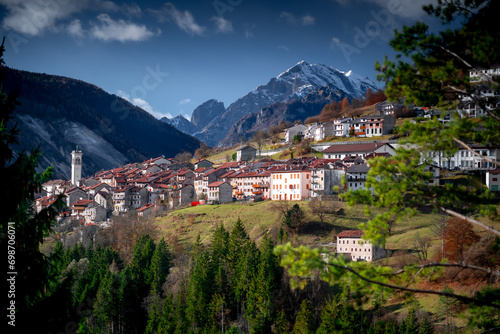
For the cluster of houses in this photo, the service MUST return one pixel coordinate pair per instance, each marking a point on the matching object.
(368, 126)
(162, 183)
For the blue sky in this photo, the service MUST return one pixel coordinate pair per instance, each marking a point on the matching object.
(169, 57)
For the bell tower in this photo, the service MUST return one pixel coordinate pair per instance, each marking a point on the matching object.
(76, 166)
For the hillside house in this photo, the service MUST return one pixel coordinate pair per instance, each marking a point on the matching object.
(55, 187)
(246, 153)
(290, 183)
(220, 192)
(341, 127)
(322, 131)
(93, 190)
(493, 180)
(145, 211)
(290, 133)
(325, 175)
(204, 163)
(105, 200)
(379, 125)
(44, 202)
(248, 184)
(356, 176)
(341, 151)
(351, 244)
(78, 207)
(466, 160)
(186, 194)
(94, 214)
(74, 194)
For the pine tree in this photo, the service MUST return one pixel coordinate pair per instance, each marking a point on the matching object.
(200, 289)
(281, 324)
(155, 315)
(329, 313)
(161, 262)
(410, 322)
(106, 304)
(220, 244)
(263, 288)
(425, 326)
(237, 241)
(303, 322)
(180, 305)
(39, 297)
(167, 321)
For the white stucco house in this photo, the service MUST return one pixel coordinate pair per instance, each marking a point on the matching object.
(351, 245)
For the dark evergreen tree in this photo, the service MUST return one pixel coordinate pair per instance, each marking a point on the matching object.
(304, 323)
(107, 303)
(161, 262)
(167, 322)
(410, 322)
(329, 314)
(200, 289)
(281, 324)
(263, 290)
(39, 297)
(220, 244)
(426, 326)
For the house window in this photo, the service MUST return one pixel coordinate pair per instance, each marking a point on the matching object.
(495, 179)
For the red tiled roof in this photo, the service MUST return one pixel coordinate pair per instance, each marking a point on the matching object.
(145, 207)
(216, 184)
(82, 202)
(351, 234)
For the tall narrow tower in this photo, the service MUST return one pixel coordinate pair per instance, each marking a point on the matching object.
(76, 166)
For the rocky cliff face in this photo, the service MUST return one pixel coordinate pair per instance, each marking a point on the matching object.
(181, 123)
(201, 117)
(294, 84)
(206, 113)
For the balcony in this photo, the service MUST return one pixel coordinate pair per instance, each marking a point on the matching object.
(256, 192)
(359, 179)
(238, 192)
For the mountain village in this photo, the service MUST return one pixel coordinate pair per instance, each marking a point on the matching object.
(154, 186)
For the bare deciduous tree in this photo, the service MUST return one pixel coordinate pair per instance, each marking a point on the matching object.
(421, 245)
(183, 157)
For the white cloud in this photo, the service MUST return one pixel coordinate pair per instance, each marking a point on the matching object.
(183, 19)
(284, 48)
(288, 17)
(222, 25)
(187, 117)
(75, 28)
(107, 29)
(186, 101)
(306, 20)
(143, 104)
(33, 17)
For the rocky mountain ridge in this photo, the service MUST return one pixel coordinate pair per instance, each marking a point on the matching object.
(296, 83)
(60, 113)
